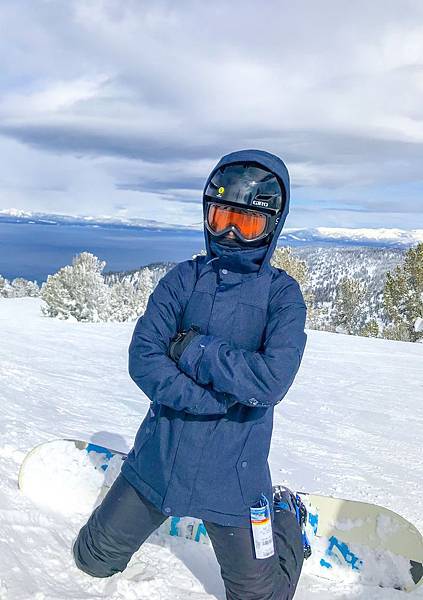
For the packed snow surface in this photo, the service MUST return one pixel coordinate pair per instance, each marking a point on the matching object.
(62, 476)
(351, 426)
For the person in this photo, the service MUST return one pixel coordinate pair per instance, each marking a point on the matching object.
(216, 350)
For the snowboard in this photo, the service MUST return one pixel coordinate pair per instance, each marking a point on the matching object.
(350, 541)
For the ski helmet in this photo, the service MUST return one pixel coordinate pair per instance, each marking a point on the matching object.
(244, 198)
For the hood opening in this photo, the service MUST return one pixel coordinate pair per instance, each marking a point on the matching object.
(260, 256)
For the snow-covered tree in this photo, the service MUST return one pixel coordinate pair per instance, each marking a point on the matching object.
(4, 287)
(403, 297)
(284, 258)
(22, 287)
(128, 302)
(81, 292)
(348, 311)
(78, 291)
(418, 325)
(18, 288)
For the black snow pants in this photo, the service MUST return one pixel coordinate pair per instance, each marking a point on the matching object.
(125, 519)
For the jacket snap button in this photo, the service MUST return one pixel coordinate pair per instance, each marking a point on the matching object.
(167, 510)
(147, 430)
(244, 464)
(225, 271)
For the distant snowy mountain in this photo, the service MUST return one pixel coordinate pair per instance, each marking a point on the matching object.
(343, 235)
(398, 238)
(21, 216)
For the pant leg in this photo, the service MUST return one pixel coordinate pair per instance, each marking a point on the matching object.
(248, 578)
(289, 547)
(115, 530)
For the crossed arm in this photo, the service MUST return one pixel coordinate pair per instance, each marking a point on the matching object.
(211, 375)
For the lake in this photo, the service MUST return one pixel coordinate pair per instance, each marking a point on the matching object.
(34, 251)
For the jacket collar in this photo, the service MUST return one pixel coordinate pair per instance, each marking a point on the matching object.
(238, 260)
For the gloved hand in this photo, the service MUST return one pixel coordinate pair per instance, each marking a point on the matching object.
(181, 341)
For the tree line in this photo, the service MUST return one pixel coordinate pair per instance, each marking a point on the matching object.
(352, 311)
(81, 292)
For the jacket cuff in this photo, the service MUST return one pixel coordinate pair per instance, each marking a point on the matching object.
(190, 359)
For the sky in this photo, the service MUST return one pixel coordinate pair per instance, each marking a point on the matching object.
(122, 108)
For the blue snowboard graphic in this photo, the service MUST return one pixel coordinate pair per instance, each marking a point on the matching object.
(350, 541)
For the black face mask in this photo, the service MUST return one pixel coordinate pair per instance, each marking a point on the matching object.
(237, 243)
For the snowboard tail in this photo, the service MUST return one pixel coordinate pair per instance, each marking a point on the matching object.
(350, 540)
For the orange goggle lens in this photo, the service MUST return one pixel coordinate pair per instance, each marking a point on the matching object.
(251, 224)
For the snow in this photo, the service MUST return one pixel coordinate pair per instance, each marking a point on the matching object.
(381, 236)
(15, 212)
(351, 426)
(387, 234)
(75, 477)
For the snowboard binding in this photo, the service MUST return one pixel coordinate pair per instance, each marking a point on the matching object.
(284, 499)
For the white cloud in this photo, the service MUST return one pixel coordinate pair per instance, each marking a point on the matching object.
(128, 104)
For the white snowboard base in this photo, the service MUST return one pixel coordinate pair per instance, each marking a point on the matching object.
(350, 541)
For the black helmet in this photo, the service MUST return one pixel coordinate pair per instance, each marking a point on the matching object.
(245, 186)
(248, 185)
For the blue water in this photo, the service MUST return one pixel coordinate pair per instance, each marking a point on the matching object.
(34, 251)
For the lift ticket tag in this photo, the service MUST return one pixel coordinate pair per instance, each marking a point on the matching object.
(261, 525)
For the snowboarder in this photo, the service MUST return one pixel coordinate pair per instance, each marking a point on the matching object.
(218, 347)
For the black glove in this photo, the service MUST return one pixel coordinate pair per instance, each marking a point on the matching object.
(181, 341)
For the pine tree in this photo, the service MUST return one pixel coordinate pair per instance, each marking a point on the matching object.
(348, 312)
(284, 258)
(18, 288)
(128, 302)
(403, 297)
(77, 292)
(4, 285)
(396, 331)
(22, 287)
(370, 329)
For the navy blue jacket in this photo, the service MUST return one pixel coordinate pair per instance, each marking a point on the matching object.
(202, 448)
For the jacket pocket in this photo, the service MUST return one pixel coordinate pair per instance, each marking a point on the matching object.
(147, 428)
(252, 466)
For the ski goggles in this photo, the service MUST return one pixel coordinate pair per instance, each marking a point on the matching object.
(251, 225)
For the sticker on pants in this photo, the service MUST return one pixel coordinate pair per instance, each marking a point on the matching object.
(261, 525)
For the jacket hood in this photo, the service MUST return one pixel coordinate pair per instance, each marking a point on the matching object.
(254, 259)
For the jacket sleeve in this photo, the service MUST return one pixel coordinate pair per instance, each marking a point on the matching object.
(259, 378)
(150, 367)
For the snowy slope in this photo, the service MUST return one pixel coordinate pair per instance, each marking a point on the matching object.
(352, 425)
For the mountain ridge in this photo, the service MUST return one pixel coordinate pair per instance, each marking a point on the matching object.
(393, 237)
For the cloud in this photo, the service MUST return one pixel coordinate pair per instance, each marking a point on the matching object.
(125, 107)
